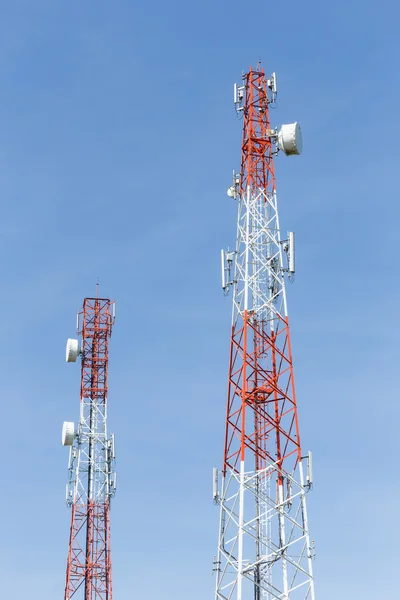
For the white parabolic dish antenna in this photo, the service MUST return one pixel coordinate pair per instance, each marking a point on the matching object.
(68, 433)
(290, 139)
(72, 350)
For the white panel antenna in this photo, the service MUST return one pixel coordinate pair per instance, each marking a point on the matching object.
(223, 273)
(309, 469)
(291, 252)
(233, 190)
(111, 445)
(238, 93)
(226, 265)
(274, 84)
(112, 486)
(215, 485)
(271, 83)
(68, 494)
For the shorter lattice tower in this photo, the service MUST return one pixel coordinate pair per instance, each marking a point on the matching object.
(92, 478)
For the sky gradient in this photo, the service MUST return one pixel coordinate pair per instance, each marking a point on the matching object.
(118, 137)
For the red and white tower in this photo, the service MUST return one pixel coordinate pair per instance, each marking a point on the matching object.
(264, 549)
(92, 478)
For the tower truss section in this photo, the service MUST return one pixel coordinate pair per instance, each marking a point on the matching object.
(92, 477)
(264, 548)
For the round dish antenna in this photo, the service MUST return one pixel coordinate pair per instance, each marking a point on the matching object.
(72, 350)
(231, 191)
(68, 433)
(290, 139)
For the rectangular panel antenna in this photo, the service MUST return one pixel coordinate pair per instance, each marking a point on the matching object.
(291, 252)
(309, 469)
(215, 484)
(274, 87)
(223, 269)
(112, 446)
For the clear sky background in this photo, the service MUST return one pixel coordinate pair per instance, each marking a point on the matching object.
(117, 141)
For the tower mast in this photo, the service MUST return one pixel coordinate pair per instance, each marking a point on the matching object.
(264, 550)
(92, 478)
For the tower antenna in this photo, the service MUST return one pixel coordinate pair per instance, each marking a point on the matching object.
(92, 477)
(264, 550)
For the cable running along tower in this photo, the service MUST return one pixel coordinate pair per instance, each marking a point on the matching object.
(92, 479)
(264, 550)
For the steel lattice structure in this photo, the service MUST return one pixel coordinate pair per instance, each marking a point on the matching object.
(92, 479)
(264, 549)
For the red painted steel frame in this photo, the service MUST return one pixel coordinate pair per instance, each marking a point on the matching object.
(89, 558)
(261, 415)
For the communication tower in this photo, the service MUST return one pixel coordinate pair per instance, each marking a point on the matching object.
(91, 474)
(264, 548)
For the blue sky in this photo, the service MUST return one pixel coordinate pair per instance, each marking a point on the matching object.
(117, 142)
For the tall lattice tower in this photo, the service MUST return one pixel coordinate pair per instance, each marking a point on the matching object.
(264, 549)
(92, 478)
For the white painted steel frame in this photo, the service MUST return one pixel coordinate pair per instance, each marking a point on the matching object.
(254, 510)
(100, 458)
